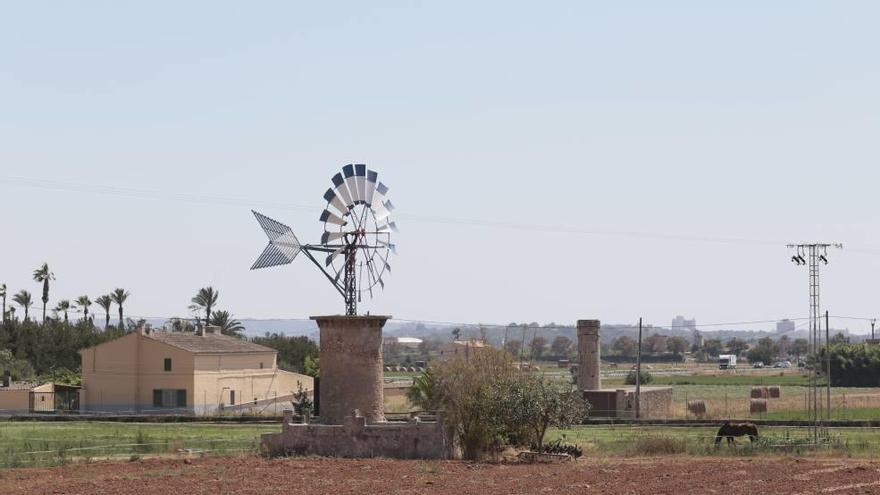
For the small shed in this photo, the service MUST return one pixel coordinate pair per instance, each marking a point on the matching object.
(30, 397)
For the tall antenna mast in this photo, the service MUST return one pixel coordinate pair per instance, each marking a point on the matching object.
(811, 254)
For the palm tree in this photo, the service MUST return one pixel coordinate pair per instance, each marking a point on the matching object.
(63, 307)
(227, 323)
(84, 302)
(24, 300)
(205, 298)
(3, 295)
(119, 296)
(43, 275)
(105, 302)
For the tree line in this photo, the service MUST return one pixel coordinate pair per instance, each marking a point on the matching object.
(49, 347)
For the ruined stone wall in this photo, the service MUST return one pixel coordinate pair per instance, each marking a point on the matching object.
(356, 438)
(656, 403)
(351, 367)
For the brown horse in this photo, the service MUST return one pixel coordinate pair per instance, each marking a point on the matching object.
(731, 430)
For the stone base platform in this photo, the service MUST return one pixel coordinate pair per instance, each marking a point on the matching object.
(356, 438)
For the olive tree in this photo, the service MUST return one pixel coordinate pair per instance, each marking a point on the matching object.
(487, 403)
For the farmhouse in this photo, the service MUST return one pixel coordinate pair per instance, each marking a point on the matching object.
(181, 372)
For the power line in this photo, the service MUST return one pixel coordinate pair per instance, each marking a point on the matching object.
(201, 198)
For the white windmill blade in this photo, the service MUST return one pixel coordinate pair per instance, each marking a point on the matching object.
(342, 190)
(351, 183)
(328, 237)
(371, 186)
(360, 178)
(331, 198)
(378, 196)
(332, 256)
(390, 246)
(328, 216)
(388, 227)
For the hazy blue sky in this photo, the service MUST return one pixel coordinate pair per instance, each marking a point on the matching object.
(523, 143)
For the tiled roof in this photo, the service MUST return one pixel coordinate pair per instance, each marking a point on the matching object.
(208, 343)
(18, 386)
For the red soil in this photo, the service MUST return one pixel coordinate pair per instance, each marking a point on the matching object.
(254, 475)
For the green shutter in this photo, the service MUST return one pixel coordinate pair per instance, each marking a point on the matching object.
(181, 398)
(157, 397)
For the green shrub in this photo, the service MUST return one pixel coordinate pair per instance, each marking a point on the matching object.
(644, 378)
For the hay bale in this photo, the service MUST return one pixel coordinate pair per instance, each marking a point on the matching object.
(757, 406)
(697, 407)
(775, 392)
(759, 393)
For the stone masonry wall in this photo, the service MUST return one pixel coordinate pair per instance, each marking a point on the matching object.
(351, 367)
(356, 438)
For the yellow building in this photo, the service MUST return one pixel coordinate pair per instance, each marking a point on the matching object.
(150, 371)
(464, 348)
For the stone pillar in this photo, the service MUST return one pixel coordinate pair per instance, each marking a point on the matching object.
(351, 367)
(588, 355)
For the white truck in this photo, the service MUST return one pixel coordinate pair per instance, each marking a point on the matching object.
(727, 361)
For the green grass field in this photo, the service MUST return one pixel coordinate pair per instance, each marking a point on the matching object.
(48, 444)
(751, 379)
(32, 444)
(699, 440)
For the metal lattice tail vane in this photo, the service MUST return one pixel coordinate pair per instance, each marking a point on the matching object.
(357, 226)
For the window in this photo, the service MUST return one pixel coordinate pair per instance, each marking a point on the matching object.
(261, 365)
(166, 397)
(232, 397)
(167, 364)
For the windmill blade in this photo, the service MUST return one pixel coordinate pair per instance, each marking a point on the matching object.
(327, 216)
(388, 206)
(332, 256)
(331, 197)
(390, 246)
(351, 182)
(342, 190)
(371, 185)
(388, 227)
(382, 214)
(378, 196)
(327, 237)
(360, 175)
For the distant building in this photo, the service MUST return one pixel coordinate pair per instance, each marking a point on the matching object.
(681, 323)
(185, 372)
(409, 342)
(784, 326)
(464, 348)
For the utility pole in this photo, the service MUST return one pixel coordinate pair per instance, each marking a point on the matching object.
(874, 320)
(639, 371)
(815, 253)
(827, 367)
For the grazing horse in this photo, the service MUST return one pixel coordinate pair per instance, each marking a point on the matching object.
(731, 430)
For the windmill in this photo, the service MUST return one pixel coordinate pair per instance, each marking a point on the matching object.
(356, 243)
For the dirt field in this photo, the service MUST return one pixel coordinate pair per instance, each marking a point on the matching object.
(254, 475)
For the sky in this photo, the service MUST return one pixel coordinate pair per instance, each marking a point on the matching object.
(549, 161)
